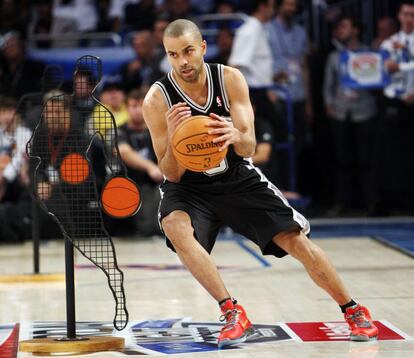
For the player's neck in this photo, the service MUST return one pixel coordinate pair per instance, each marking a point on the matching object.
(195, 89)
(191, 86)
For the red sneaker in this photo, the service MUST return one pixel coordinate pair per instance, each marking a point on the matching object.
(360, 323)
(237, 327)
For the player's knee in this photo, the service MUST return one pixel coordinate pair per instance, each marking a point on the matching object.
(176, 224)
(297, 245)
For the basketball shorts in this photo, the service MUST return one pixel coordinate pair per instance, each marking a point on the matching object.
(242, 199)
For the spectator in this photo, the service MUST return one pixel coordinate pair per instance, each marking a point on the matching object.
(112, 96)
(352, 113)
(140, 16)
(18, 74)
(83, 12)
(251, 53)
(144, 69)
(15, 203)
(136, 151)
(117, 13)
(386, 27)
(289, 46)
(179, 9)
(393, 172)
(14, 15)
(224, 46)
(83, 86)
(158, 32)
(44, 22)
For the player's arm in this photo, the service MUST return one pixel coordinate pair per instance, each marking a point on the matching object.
(161, 123)
(239, 132)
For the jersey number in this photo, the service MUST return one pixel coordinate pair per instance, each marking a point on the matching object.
(221, 168)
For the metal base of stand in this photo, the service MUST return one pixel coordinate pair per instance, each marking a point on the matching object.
(77, 345)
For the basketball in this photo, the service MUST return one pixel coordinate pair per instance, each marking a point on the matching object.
(120, 198)
(74, 168)
(194, 148)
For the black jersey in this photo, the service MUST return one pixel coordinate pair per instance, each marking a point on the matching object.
(218, 103)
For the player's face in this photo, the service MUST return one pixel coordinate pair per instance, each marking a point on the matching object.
(406, 17)
(186, 55)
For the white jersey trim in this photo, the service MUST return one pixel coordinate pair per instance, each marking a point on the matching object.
(191, 103)
(299, 218)
(223, 88)
(165, 93)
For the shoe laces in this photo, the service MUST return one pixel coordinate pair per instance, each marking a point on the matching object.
(359, 319)
(231, 317)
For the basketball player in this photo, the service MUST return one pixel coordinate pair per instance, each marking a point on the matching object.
(195, 205)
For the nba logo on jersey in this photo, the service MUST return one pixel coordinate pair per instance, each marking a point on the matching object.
(218, 100)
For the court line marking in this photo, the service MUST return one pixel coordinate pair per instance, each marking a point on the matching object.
(397, 330)
(240, 242)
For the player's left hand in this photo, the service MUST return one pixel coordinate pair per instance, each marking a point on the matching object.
(228, 133)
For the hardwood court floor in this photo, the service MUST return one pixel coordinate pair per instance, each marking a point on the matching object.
(271, 290)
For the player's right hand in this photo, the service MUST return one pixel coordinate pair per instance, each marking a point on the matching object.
(175, 115)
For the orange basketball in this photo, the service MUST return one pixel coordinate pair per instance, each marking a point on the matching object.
(120, 197)
(74, 169)
(194, 148)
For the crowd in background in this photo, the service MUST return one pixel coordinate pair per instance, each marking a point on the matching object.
(353, 149)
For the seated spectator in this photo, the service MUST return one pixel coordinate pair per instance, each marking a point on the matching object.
(112, 96)
(18, 74)
(224, 46)
(136, 150)
(15, 201)
(144, 69)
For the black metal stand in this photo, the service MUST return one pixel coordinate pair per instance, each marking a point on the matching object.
(35, 236)
(70, 290)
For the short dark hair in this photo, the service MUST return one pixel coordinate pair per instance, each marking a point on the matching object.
(180, 27)
(255, 4)
(7, 102)
(136, 94)
(406, 2)
(354, 21)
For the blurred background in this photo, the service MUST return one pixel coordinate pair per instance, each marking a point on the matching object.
(334, 115)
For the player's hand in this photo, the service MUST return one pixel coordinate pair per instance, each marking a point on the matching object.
(175, 115)
(391, 66)
(228, 134)
(155, 174)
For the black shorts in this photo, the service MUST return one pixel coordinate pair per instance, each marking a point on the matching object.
(243, 199)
